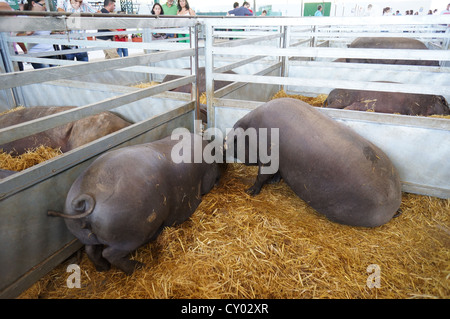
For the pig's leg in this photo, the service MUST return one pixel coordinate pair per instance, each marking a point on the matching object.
(275, 179)
(94, 253)
(261, 179)
(119, 258)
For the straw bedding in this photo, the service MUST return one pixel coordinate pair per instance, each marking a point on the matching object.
(275, 246)
(30, 158)
(440, 116)
(271, 246)
(12, 110)
(144, 85)
(311, 100)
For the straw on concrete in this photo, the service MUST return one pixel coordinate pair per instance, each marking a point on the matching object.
(144, 85)
(12, 110)
(30, 158)
(275, 246)
(311, 100)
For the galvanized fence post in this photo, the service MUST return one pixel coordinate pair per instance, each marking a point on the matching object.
(209, 64)
(147, 37)
(285, 60)
(14, 95)
(197, 97)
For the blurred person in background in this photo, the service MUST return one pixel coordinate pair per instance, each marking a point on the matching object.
(158, 10)
(242, 11)
(170, 8)
(38, 6)
(75, 6)
(108, 7)
(184, 10)
(319, 11)
(122, 52)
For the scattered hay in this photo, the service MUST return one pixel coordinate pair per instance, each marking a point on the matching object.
(12, 110)
(144, 85)
(202, 98)
(314, 101)
(275, 246)
(30, 158)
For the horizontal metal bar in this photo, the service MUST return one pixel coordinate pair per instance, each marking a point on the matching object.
(119, 89)
(247, 41)
(434, 191)
(111, 88)
(45, 61)
(157, 70)
(38, 125)
(266, 19)
(82, 34)
(236, 85)
(353, 35)
(57, 52)
(396, 119)
(64, 21)
(152, 45)
(235, 65)
(244, 33)
(324, 21)
(372, 86)
(300, 42)
(10, 80)
(372, 66)
(402, 54)
(392, 27)
(90, 33)
(250, 29)
(82, 22)
(239, 104)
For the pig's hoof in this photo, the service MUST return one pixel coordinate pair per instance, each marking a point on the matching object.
(103, 267)
(131, 266)
(275, 179)
(254, 190)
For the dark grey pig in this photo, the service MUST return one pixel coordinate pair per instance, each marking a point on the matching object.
(335, 170)
(387, 102)
(126, 197)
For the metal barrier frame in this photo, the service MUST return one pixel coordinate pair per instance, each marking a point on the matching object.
(417, 146)
(32, 244)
